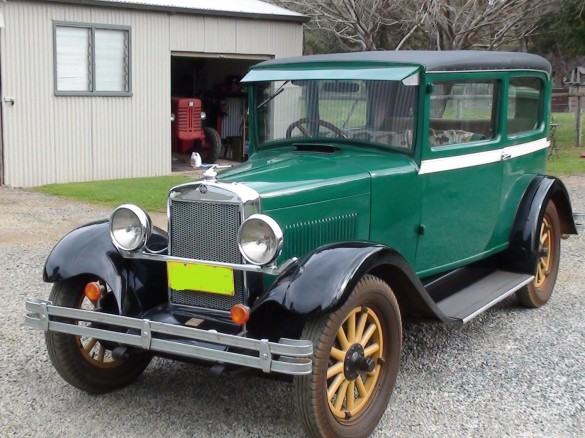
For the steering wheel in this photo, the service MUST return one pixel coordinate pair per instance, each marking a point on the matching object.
(299, 124)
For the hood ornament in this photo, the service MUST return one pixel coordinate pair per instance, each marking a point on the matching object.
(210, 174)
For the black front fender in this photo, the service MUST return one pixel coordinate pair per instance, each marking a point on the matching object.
(323, 280)
(88, 250)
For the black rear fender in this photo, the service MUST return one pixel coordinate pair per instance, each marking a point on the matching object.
(522, 255)
(88, 250)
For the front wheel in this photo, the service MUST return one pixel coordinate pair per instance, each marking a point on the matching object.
(537, 293)
(84, 362)
(355, 363)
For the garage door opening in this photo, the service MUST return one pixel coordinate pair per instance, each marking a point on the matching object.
(209, 107)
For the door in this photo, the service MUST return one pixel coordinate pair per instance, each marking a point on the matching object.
(461, 174)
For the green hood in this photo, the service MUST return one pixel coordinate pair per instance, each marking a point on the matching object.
(287, 179)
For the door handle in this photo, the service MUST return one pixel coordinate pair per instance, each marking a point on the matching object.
(506, 155)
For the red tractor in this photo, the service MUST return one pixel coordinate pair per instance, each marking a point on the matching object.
(189, 134)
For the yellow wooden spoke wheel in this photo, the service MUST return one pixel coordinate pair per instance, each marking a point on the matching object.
(355, 363)
(537, 293)
(545, 250)
(84, 362)
(356, 360)
(93, 350)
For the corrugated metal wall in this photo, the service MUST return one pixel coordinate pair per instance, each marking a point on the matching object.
(50, 138)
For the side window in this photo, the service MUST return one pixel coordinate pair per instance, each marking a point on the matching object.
(462, 112)
(525, 97)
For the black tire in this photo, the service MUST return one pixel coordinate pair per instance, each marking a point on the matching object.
(210, 148)
(83, 362)
(365, 396)
(539, 291)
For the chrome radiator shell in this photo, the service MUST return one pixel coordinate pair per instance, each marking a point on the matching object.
(204, 219)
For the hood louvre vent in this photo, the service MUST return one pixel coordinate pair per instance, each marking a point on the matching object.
(302, 237)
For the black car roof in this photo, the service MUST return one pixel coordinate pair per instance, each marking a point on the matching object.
(446, 60)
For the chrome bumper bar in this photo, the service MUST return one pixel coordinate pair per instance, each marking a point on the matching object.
(579, 219)
(271, 270)
(288, 356)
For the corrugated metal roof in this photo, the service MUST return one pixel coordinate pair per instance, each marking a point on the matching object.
(245, 8)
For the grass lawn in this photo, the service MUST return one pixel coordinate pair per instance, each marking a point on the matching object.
(568, 161)
(148, 193)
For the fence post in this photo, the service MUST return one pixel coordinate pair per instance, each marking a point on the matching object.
(579, 120)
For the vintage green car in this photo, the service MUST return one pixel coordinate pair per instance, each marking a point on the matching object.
(380, 186)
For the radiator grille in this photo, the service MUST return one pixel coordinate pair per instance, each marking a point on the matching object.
(206, 231)
(189, 119)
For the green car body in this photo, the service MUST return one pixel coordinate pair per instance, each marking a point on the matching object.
(379, 186)
(391, 199)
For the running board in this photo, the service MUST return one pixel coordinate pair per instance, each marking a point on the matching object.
(469, 302)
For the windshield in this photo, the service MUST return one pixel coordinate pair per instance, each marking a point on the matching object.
(380, 112)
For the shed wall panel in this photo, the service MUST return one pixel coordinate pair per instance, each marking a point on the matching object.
(235, 36)
(289, 41)
(57, 138)
(266, 37)
(28, 124)
(220, 35)
(49, 139)
(136, 130)
(187, 33)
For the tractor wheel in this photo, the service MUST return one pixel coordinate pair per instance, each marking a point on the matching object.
(210, 147)
(355, 363)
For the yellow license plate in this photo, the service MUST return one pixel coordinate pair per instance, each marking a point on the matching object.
(202, 278)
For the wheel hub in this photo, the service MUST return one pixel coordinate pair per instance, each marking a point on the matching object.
(356, 362)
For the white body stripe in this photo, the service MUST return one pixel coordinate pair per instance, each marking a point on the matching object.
(479, 158)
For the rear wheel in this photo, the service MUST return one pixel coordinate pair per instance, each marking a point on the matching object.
(537, 293)
(84, 362)
(355, 363)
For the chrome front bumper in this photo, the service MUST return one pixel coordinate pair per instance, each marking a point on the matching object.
(288, 356)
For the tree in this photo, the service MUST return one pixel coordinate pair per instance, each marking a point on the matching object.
(425, 24)
(472, 24)
(562, 39)
(355, 24)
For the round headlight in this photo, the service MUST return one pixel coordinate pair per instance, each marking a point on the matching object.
(130, 227)
(260, 239)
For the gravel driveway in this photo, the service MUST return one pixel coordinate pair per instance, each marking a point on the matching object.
(510, 372)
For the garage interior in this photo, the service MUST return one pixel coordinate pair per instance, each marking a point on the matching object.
(215, 81)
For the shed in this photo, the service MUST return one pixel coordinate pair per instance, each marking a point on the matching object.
(86, 85)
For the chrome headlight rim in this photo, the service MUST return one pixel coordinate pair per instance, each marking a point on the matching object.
(277, 235)
(144, 222)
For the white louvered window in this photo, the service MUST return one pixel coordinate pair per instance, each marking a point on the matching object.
(73, 59)
(92, 60)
